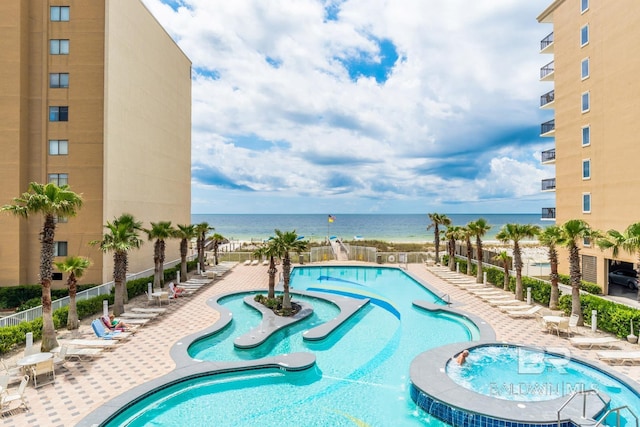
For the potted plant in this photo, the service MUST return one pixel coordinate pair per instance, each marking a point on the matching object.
(631, 337)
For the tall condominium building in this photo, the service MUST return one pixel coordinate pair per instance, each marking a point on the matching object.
(94, 94)
(594, 71)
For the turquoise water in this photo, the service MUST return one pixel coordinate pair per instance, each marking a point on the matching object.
(361, 374)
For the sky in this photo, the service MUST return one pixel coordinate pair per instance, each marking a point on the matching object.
(364, 106)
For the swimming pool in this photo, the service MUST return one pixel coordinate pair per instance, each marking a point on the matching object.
(361, 372)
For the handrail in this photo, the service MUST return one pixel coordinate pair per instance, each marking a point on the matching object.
(584, 394)
(617, 411)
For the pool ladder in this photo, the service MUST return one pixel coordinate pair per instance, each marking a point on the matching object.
(590, 421)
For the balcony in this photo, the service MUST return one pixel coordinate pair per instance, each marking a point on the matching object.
(548, 128)
(546, 72)
(549, 184)
(546, 100)
(546, 44)
(548, 214)
(548, 156)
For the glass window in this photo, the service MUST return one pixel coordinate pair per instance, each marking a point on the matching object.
(58, 47)
(59, 13)
(60, 219)
(586, 105)
(586, 135)
(58, 80)
(585, 68)
(584, 35)
(586, 169)
(59, 248)
(584, 5)
(586, 241)
(58, 147)
(58, 114)
(586, 202)
(59, 179)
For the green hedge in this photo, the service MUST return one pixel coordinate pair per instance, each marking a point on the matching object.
(23, 296)
(613, 317)
(592, 288)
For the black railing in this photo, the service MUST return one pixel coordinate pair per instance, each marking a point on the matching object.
(547, 127)
(548, 184)
(547, 98)
(546, 70)
(548, 155)
(546, 41)
(548, 213)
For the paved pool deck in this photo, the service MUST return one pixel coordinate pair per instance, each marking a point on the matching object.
(82, 387)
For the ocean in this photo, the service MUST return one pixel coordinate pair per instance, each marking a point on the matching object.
(399, 228)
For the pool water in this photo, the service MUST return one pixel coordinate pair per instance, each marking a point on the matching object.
(361, 372)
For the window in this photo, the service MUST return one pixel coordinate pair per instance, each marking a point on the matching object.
(586, 169)
(58, 47)
(584, 6)
(584, 35)
(59, 248)
(59, 13)
(60, 219)
(584, 71)
(59, 179)
(586, 136)
(58, 147)
(586, 242)
(57, 80)
(56, 276)
(585, 102)
(58, 114)
(586, 202)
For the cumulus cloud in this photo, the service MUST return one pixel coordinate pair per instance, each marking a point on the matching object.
(364, 105)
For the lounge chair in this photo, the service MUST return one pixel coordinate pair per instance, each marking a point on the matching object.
(247, 262)
(255, 262)
(45, 368)
(7, 399)
(101, 332)
(517, 314)
(265, 262)
(619, 356)
(135, 315)
(591, 342)
(148, 310)
(83, 343)
(79, 353)
(173, 293)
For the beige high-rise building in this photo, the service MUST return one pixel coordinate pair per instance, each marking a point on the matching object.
(594, 71)
(94, 94)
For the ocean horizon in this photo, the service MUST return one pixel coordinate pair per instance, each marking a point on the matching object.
(399, 228)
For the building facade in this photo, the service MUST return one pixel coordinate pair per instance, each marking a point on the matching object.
(94, 94)
(594, 95)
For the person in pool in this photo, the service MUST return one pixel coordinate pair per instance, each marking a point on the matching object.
(462, 357)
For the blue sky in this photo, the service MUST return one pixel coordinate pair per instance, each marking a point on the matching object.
(364, 106)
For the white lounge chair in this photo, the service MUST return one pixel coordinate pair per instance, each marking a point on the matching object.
(591, 342)
(247, 262)
(524, 313)
(255, 262)
(148, 310)
(79, 353)
(86, 343)
(619, 356)
(7, 399)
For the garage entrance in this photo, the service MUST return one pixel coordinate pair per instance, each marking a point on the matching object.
(622, 279)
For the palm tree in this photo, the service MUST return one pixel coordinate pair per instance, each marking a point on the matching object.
(629, 241)
(452, 234)
(516, 233)
(202, 230)
(467, 233)
(269, 250)
(503, 258)
(75, 266)
(479, 228)
(159, 231)
(549, 237)
(284, 243)
(571, 233)
(436, 221)
(51, 201)
(217, 239)
(122, 237)
(185, 233)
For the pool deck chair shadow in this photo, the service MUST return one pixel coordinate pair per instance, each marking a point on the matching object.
(591, 342)
(619, 357)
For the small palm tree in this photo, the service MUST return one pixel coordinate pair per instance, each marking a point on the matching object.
(269, 250)
(629, 241)
(479, 228)
(75, 266)
(452, 234)
(549, 237)
(217, 239)
(159, 231)
(122, 237)
(436, 221)
(185, 233)
(467, 234)
(517, 233)
(283, 243)
(202, 230)
(51, 201)
(504, 259)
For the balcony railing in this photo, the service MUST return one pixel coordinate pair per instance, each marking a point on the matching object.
(546, 41)
(547, 69)
(547, 98)
(548, 155)
(547, 127)
(548, 213)
(549, 184)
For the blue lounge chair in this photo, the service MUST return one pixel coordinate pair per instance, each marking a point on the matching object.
(101, 332)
